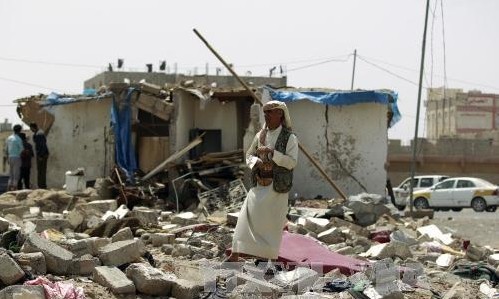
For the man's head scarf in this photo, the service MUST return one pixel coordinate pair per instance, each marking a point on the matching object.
(286, 122)
(271, 105)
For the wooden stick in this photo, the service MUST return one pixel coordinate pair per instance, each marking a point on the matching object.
(121, 186)
(257, 99)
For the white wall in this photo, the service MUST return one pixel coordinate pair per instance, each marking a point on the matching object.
(190, 113)
(351, 145)
(79, 137)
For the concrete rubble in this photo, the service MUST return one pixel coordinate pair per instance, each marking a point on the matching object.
(111, 250)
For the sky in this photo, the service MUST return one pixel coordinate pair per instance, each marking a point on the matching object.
(55, 45)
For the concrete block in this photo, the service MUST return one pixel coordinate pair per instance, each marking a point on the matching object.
(101, 205)
(299, 279)
(75, 217)
(10, 272)
(316, 225)
(22, 292)
(84, 265)
(114, 279)
(149, 280)
(435, 233)
(186, 289)
(183, 219)
(20, 211)
(146, 216)
(122, 235)
(58, 259)
(338, 222)
(121, 252)
(96, 243)
(331, 236)
(475, 253)
(77, 247)
(159, 239)
(264, 287)
(32, 262)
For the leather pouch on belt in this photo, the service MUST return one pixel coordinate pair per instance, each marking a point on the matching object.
(264, 174)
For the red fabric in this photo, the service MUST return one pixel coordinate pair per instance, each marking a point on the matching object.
(57, 290)
(296, 248)
(381, 236)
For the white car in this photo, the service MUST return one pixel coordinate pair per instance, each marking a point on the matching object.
(459, 193)
(401, 192)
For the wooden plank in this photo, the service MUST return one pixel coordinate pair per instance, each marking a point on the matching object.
(152, 151)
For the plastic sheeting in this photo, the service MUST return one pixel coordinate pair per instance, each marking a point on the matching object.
(340, 98)
(121, 118)
(57, 290)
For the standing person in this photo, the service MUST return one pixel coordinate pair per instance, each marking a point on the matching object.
(14, 148)
(271, 157)
(26, 156)
(42, 155)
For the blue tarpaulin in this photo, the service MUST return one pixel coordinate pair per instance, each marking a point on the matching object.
(121, 122)
(341, 98)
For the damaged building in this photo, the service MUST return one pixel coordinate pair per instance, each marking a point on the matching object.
(140, 125)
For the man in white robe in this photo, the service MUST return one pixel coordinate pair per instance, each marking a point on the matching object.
(258, 232)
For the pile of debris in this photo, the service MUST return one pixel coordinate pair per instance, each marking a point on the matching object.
(57, 245)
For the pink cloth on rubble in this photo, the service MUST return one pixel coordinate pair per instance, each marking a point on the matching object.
(58, 290)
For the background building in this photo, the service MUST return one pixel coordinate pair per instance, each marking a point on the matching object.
(453, 113)
(159, 78)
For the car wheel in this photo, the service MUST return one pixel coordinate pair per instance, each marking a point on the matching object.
(491, 209)
(421, 203)
(478, 204)
(457, 209)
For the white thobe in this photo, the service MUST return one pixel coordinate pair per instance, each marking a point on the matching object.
(263, 215)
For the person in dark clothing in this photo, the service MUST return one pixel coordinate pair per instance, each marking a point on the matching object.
(42, 154)
(26, 156)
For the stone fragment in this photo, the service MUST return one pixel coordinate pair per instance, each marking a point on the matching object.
(186, 289)
(159, 239)
(183, 219)
(331, 236)
(58, 259)
(149, 280)
(122, 235)
(121, 252)
(32, 262)
(22, 292)
(10, 272)
(114, 279)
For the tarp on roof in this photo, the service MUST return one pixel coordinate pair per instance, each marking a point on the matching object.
(340, 98)
(54, 99)
(121, 120)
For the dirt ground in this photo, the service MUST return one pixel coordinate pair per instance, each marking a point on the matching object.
(479, 228)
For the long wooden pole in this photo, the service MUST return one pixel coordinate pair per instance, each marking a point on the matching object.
(258, 100)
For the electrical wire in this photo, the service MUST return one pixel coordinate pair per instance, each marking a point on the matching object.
(386, 70)
(49, 63)
(28, 84)
(319, 63)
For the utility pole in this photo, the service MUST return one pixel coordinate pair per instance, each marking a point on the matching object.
(353, 71)
(415, 140)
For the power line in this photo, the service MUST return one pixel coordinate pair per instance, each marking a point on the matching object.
(319, 63)
(49, 63)
(449, 78)
(28, 84)
(386, 70)
(297, 61)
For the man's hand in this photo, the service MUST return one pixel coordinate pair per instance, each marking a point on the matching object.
(264, 150)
